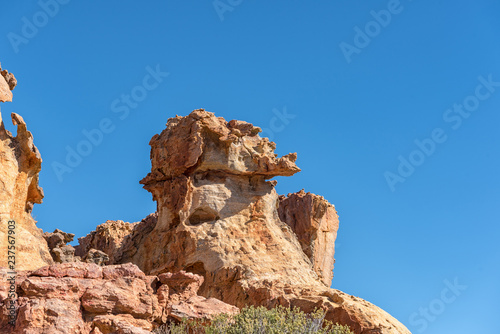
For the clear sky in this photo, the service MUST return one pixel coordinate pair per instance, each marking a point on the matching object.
(392, 106)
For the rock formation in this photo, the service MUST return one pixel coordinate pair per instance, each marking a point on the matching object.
(57, 242)
(7, 83)
(315, 223)
(83, 298)
(20, 164)
(218, 216)
(116, 238)
(220, 230)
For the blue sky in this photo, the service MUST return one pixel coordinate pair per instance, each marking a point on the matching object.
(357, 89)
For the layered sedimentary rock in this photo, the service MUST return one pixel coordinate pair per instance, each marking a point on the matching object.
(218, 216)
(220, 230)
(116, 238)
(7, 84)
(315, 223)
(57, 242)
(83, 298)
(20, 164)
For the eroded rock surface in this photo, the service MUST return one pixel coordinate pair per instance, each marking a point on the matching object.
(83, 298)
(20, 163)
(116, 238)
(220, 227)
(315, 223)
(57, 242)
(219, 217)
(7, 83)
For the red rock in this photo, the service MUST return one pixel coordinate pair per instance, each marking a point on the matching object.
(121, 296)
(7, 83)
(217, 232)
(121, 324)
(198, 307)
(54, 316)
(65, 288)
(181, 284)
(20, 164)
(315, 222)
(122, 270)
(71, 269)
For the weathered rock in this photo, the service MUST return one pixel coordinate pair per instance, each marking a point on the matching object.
(20, 163)
(96, 256)
(198, 307)
(7, 83)
(121, 324)
(63, 254)
(73, 269)
(84, 298)
(116, 237)
(218, 218)
(48, 316)
(60, 252)
(182, 285)
(122, 270)
(218, 222)
(121, 296)
(182, 294)
(315, 222)
(58, 238)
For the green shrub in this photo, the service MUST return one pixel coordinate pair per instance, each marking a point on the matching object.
(259, 320)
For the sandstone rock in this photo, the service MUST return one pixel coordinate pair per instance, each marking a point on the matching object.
(218, 222)
(7, 83)
(198, 307)
(85, 298)
(115, 238)
(58, 238)
(60, 252)
(122, 270)
(218, 218)
(121, 296)
(64, 254)
(72, 269)
(121, 324)
(315, 222)
(20, 163)
(48, 316)
(182, 285)
(96, 256)
(185, 303)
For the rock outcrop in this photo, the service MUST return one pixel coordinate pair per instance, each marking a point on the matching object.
(83, 298)
(60, 251)
(7, 84)
(218, 216)
(116, 238)
(315, 223)
(20, 164)
(221, 237)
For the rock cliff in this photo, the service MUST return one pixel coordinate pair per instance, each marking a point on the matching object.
(221, 236)
(219, 216)
(83, 298)
(7, 84)
(20, 164)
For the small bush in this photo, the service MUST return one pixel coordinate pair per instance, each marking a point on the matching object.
(259, 320)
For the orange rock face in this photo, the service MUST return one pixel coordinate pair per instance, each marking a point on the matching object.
(315, 223)
(221, 237)
(83, 298)
(7, 83)
(219, 217)
(20, 164)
